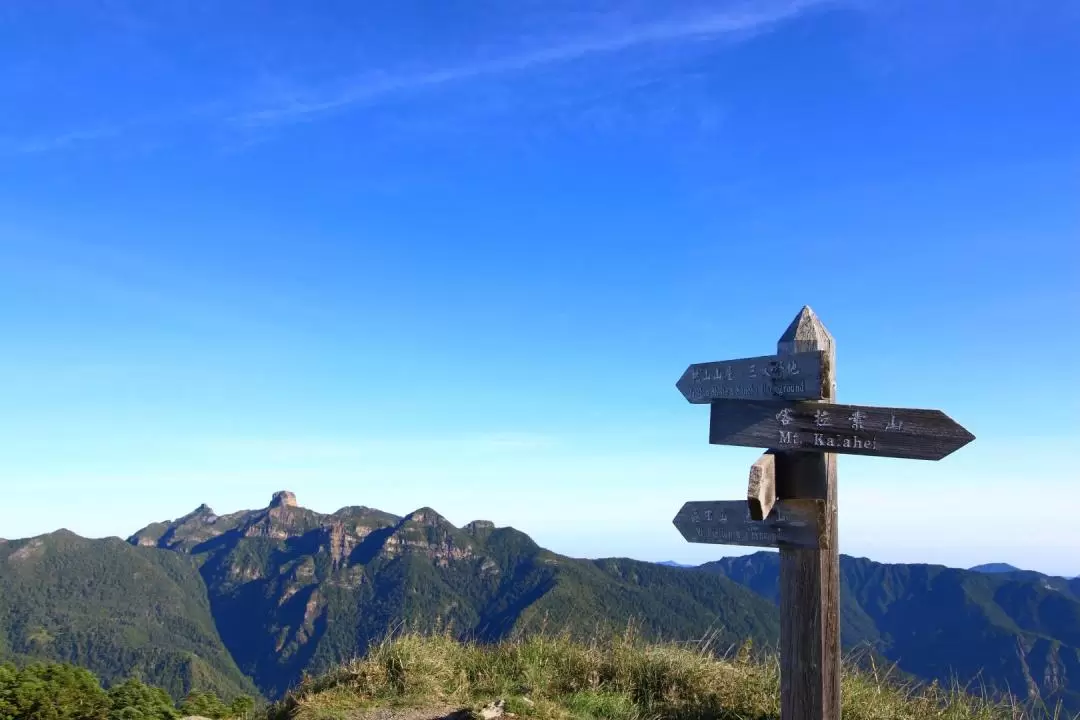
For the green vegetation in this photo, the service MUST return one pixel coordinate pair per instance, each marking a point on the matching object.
(1018, 630)
(118, 610)
(288, 605)
(547, 677)
(293, 592)
(57, 691)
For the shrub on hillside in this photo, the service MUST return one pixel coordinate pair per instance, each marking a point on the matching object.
(135, 700)
(51, 691)
(204, 704)
(57, 691)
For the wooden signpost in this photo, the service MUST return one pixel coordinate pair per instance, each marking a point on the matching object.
(761, 490)
(796, 377)
(791, 494)
(849, 429)
(728, 522)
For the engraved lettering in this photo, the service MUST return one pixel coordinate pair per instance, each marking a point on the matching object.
(821, 418)
(784, 416)
(894, 425)
(790, 526)
(782, 390)
(762, 378)
(857, 419)
(708, 391)
(787, 437)
(844, 441)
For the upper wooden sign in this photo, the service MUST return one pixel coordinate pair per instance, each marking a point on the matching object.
(831, 428)
(770, 377)
(796, 523)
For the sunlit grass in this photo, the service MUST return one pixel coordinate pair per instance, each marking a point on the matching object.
(546, 677)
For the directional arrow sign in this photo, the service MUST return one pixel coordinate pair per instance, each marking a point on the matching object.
(796, 523)
(830, 428)
(770, 377)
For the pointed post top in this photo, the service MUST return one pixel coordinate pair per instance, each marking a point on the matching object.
(805, 333)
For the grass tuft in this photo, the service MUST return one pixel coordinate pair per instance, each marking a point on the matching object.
(555, 677)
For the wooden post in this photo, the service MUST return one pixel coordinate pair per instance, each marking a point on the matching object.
(761, 489)
(810, 578)
(787, 403)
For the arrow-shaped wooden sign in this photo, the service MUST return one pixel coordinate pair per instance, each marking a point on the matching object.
(769, 377)
(796, 523)
(831, 428)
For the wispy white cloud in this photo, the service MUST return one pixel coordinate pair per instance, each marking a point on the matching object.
(733, 24)
(61, 141)
(275, 100)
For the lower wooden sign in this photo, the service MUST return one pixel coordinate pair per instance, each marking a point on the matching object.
(795, 523)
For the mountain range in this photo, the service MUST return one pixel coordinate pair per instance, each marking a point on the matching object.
(995, 568)
(1017, 631)
(251, 601)
(119, 610)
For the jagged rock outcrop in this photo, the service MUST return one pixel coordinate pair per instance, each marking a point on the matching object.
(297, 591)
(479, 528)
(283, 498)
(278, 574)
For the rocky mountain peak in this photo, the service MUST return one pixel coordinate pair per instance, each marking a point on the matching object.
(204, 511)
(427, 516)
(283, 498)
(479, 529)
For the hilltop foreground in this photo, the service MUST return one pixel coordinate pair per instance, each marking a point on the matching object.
(249, 603)
(416, 677)
(542, 677)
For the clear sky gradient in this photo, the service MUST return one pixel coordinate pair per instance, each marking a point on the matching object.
(406, 254)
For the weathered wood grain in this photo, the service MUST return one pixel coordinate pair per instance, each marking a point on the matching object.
(793, 377)
(810, 578)
(846, 429)
(804, 429)
(761, 489)
(727, 522)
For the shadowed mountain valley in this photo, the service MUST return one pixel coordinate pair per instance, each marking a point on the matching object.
(1017, 630)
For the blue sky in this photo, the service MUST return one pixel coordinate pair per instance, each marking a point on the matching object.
(456, 255)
